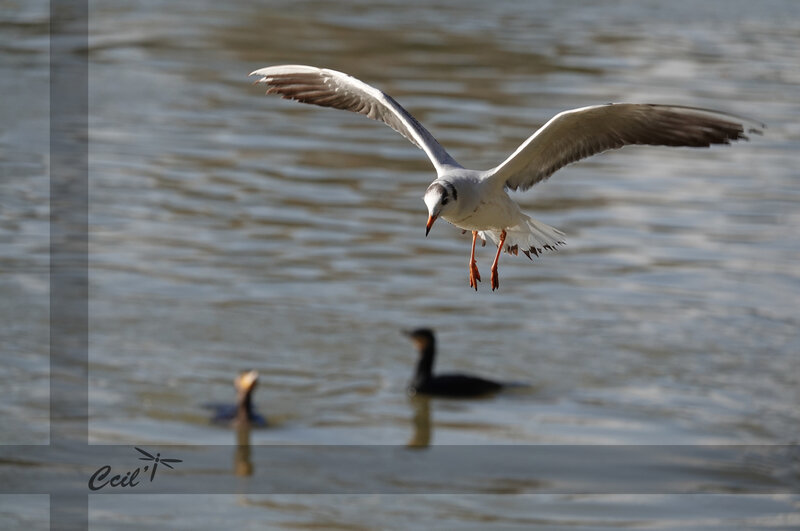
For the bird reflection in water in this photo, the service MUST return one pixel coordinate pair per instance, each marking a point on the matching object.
(421, 437)
(243, 417)
(425, 384)
(242, 463)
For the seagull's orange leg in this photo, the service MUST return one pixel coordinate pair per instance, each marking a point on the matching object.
(494, 279)
(474, 276)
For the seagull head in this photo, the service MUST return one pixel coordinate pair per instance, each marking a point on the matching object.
(440, 198)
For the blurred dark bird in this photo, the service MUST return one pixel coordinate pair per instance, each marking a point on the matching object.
(449, 385)
(242, 412)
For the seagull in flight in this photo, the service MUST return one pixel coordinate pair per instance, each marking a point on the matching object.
(478, 201)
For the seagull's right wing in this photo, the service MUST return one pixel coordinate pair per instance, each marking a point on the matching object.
(329, 88)
(573, 135)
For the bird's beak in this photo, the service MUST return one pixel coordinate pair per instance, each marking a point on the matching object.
(431, 219)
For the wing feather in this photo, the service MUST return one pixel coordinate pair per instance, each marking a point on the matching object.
(580, 133)
(329, 88)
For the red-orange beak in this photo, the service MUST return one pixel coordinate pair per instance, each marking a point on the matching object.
(431, 219)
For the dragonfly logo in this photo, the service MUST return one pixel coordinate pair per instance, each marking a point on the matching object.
(101, 479)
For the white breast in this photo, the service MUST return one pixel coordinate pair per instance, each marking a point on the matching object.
(493, 212)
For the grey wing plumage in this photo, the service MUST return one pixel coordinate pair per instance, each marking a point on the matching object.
(579, 133)
(329, 88)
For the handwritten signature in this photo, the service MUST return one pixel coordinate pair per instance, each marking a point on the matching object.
(98, 479)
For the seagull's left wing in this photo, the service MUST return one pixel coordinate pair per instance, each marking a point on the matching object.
(329, 88)
(579, 133)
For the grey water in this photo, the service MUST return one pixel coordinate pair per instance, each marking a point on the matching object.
(230, 230)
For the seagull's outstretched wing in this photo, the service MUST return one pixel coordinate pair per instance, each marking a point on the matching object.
(329, 88)
(579, 133)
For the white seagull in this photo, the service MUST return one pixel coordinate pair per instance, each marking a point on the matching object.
(478, 201)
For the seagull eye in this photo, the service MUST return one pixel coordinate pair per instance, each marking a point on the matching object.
(445, 200)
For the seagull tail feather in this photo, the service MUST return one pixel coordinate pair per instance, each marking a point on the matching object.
(531, 237)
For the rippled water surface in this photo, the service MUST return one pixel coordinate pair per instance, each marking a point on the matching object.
(229, 230)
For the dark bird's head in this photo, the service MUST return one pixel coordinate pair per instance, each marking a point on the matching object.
(246, 382)
(440, 198)
(422, 337)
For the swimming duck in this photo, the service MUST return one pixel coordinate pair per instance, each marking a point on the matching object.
(448, 385)
(243, 412)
